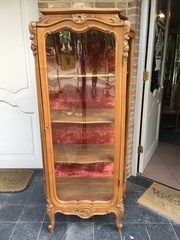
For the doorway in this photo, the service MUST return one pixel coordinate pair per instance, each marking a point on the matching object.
(164, 165)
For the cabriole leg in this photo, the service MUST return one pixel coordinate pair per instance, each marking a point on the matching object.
(51, 214)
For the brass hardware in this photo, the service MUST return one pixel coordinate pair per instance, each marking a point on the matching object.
(140, 149)
(145, 75)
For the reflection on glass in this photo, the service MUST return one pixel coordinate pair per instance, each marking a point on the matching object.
(158, 56)
(171, 92)
(159, 45)
(81, 78)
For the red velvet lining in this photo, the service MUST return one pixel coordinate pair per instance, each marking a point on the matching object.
(89, 134)
(73, 100)
(86, 170)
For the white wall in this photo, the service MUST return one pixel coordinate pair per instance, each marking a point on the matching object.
(20, 145)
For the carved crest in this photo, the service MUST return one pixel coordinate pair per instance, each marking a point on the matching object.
(84, 212)
(79, 17)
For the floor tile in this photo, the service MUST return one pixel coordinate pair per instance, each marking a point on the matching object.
(157, 171)
(10, 213)
(175, 169)
(106, 231)
(39, 173)
(26, 231)
(80, 231)
(164, 166)
(129, 187)
(171, 182)
(3, 197)
(176, 227)
(132, 214)
(73, 218)
(58, 234)
(161, 232)
(39, 184)
(149, 216)
(61, 217)
(33, 182)
(110, 218)
(33, 213)
(37, 197)
(134, 232)
(18, 198)
(139, 183)
(23, 216)
(130, 198)
(156, 159)
(6, 230)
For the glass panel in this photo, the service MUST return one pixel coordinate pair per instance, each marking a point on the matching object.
(171, 71)
(81, 78)
(159, 45)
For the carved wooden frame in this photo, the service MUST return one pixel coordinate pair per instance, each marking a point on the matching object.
(81, 19)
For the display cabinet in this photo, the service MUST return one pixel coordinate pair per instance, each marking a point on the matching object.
(83, 75)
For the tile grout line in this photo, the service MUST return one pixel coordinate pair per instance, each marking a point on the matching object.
(173, 230)
(20, 214)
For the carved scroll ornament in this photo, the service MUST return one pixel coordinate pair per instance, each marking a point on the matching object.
(79, 18)
(32, 29)
(84, 212)
(127, 27)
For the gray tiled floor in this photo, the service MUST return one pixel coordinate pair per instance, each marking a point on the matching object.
(23, 217)
(164, 166)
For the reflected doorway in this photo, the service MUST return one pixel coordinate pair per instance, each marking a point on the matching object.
(165, 168)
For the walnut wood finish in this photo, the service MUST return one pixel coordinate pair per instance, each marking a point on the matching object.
(84, 196)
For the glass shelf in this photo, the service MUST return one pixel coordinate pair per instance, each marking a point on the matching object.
(80, 153)
(90, 189)
(81, 116)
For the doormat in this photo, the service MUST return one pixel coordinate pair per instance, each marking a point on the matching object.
(162, 199)
(15, 180)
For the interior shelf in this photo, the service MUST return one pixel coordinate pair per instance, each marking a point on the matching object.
(54, 75)
(84, 188)
(81, 116)
(81, 153)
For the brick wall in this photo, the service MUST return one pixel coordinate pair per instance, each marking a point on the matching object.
(131, 9)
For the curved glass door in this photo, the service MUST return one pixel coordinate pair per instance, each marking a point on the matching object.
(81, 79)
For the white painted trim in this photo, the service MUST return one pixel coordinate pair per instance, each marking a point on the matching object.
(139, 83)
(149, 65)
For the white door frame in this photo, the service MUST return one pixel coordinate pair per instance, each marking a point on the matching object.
(139, 83)
(151, 100)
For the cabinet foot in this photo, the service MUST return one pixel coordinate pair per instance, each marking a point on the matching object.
(51, 228)
(119, 212)
(51, 214)
(119, 224)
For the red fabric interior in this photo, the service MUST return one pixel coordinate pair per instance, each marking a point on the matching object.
(73, 99)
(89, 134)
(84, 170)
